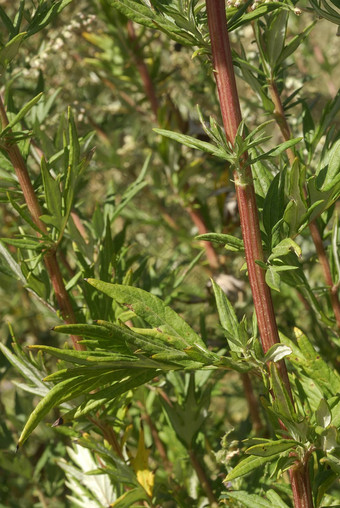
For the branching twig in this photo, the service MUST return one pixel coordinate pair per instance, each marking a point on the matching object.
(34, 209)
(313, 227)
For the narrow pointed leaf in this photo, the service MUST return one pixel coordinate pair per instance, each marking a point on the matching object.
(247, 466)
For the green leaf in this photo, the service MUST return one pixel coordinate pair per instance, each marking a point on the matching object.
(24, 243)
(97, 400)
(246, 17)
(282, 402)
(62, 392)
(193, 143)
(294, 43)
(282, 147)
(285, 247)
(10, 50)
(329, 441)
(230, 242)
(250, 500)
(7, 22)
(275, 499)
(52, 194)
(12, 264)
(270, 448)
(330, 174)
(128, 499)
(148, 17)
(273, 205)
(74, 147)
(44, 15)
(273, 279)
(275, 35)
(22, 113)
(335, 250)
(262, 177)
(152, 309)
(277, 352)
(89, 357)
(227, 316)
(296, 208)
(247, 466)
(316, 368)
(323, 414)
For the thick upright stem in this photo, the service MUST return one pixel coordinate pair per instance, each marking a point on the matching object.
(231, 115)
(34, 209)
(300, 482)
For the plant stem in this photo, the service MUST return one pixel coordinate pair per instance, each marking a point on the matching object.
(34, 209)
(231, 115)
(154, 432)
(253, 403)
(204, 480)
(214, 264)
(194, 214)
(313, 227)
(302, 492)
(143, 70)
(198, 220)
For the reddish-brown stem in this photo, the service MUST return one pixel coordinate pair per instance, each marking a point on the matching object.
(143, 70)
(301, 488)
(313, 227)
(194, 213)
(253, 403)
(333, 289)
(204, 480)
(214, 264)
(197, 219)
(34, 209)
(280, 117)
(231, 115)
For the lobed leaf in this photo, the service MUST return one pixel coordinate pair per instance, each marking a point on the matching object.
(152, 309)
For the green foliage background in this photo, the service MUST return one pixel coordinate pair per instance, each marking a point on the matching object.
(135, 200)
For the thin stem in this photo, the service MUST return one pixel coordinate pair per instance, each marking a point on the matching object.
(313, 227)
(34, 209)
(158, 443)
(203, 478)
(253, 403)
(198, 220)
(143, 70)
(280, 118)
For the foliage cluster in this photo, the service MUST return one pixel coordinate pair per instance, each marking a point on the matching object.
(120, 229)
